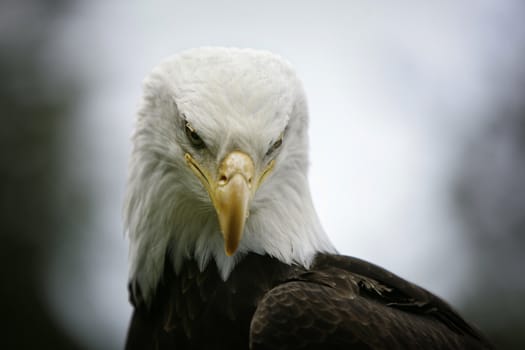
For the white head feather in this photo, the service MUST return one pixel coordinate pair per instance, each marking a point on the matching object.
(235, 99)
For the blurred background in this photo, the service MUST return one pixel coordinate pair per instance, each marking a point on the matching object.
(417, 146)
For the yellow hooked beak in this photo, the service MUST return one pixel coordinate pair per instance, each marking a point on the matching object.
(231, 193)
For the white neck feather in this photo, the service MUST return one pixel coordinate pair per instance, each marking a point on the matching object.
(282, 224)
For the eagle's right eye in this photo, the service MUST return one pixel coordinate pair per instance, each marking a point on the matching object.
(275, 146)
(194, 138)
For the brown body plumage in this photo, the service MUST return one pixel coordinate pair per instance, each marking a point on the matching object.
(340, 303)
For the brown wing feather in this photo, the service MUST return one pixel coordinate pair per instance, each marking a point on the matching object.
(336, 308)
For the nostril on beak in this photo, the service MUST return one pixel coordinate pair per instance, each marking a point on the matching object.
(223, 179)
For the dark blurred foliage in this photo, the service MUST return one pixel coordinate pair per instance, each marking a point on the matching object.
(33, 111)
(490, 196)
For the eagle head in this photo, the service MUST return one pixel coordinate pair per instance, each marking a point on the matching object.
(219, 165)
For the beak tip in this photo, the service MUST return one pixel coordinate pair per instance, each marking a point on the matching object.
(230, 251)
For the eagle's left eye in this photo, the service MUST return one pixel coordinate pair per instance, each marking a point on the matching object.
(194, 138)
(275, 146)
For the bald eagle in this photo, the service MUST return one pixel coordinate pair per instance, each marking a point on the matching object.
(226, 249)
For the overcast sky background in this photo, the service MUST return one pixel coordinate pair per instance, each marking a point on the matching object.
(396, 91)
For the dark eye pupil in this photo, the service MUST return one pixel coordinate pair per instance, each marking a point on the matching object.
(276, 145)
(194, 138)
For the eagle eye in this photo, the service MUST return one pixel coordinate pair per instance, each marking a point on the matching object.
(194, 138)
(275, 146)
